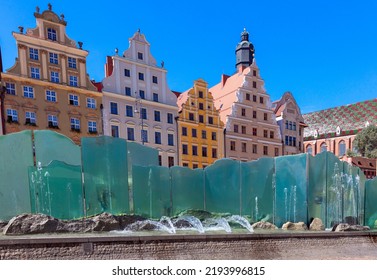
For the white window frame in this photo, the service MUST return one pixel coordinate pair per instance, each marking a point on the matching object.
(28, 92)
(74, 99)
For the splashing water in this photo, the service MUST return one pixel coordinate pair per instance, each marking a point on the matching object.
(240, 220)
(214, 224)
(168, 221)
(193, 221)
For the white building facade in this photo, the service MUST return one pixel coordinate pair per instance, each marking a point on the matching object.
(137, 102)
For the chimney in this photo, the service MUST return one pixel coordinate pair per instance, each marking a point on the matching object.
(223, 79)
(109, 66)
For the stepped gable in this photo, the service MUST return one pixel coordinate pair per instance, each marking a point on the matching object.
(349, 118)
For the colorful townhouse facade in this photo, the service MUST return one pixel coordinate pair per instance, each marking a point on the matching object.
(200, 129)
(251, 130)
(48, 86)
(291, 123)
(137, 102)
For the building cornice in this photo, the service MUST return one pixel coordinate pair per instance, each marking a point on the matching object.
(47, 44)
(31, 81)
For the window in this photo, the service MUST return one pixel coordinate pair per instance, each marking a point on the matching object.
(28, 92)
(141, 76)
(193, 132)
(323, 147)
(214, 136)
(155, 97)
(127, 73)
(52, 121)
(214, 153)
(232, 145)
(272, 135)
(309, 149)
(254, 114)
(75, 124)
(170, 161)
(92, 126)
(201, 119)
(12, 115)
(194, 150)
(204, 151)
(113, 108)
(157, 137)
(341, 148)
(255, 131)
(243, 112)
(53, 58)
(243, 146)
(254, 84)
(170, 117)
(265, 150)
(276, 152)
(287, 140)
(184, 149)
(200, 94)
(254, 98)
(144, 136)
(191, 116)
(294, 141)
(255, 149)
(90, 103)
(235, 128)
(142, 94)
(201, 106)
(130, 134)
(243, 129)
(73, 81)
(30, 118)
(54, 77)
(51, 34)
(129, 111)
(265, 133)
(185, 164)
(140, 55)
(115, 131)
(10, 88)
(170, 139)
(184, 131)
(194, 166)
(265, 116)
(294, 126)
(33, 54)
(127, 91)
(72, 62)
(157, 116)
(154, 80)
(290, 125)
(254, 73)
(210, 120)
(73, 100)
(34, 73)
(247, 96)
(50, 96)
(144, 114)
(204, 134)
(261, 100)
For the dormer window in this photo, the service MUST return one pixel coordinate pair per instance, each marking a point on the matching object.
(51, 34)
(140, 55)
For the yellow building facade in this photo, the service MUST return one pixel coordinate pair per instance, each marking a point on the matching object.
(48, 86)
(200, 130)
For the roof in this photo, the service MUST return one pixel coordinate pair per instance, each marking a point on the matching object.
(182, 98)
(349, 118)
(225, 92)
(177, 93)
(365, 163)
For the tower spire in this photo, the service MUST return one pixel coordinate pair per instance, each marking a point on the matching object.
(244, 51)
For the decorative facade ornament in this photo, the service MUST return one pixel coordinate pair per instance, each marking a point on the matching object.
(21, 46)
(81, 60)
(338, 131)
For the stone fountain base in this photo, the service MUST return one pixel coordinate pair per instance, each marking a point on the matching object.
(258, 245)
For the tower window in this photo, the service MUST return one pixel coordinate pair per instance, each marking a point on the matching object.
(140, 55)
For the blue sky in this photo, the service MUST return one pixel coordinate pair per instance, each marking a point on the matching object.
(324, 52)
